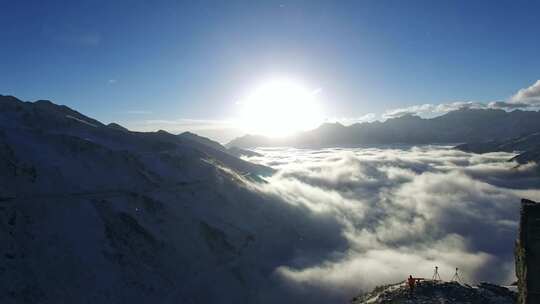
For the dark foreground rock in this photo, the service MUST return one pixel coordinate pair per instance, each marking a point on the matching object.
(528, 253)
(438, 292)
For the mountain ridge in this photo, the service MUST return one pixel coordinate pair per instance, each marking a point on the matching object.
(459, 126)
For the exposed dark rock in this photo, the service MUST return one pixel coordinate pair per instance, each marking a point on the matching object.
(528, 253)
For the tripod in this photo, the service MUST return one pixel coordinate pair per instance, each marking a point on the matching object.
(456, 277)
(436, 276)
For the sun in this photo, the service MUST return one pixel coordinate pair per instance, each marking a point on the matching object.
(280, 108)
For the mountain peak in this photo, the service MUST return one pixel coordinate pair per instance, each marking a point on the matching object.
(44, 102)
(116, 126)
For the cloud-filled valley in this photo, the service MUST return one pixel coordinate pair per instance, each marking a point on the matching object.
(401, 211)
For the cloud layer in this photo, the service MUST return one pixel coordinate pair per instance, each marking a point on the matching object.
(401, 212)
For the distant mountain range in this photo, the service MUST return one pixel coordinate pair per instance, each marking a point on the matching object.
(460, 126)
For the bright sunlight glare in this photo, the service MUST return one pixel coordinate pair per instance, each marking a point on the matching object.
(280, 108)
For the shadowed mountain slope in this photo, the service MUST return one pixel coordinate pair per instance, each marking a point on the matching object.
(91, 213)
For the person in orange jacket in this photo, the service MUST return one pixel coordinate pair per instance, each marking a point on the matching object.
(411, 281)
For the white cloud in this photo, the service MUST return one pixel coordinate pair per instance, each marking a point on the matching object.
(528, 96)
(389, 265)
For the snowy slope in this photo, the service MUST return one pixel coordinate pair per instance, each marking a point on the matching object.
(91, 213)
(428, 292)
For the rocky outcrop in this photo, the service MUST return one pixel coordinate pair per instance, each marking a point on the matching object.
(438, 292)
(528, 253)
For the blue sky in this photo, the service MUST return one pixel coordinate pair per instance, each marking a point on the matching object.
(145, 62)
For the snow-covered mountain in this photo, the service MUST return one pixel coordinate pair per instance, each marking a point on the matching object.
(94, 213)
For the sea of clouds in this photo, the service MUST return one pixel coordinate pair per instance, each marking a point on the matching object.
(401, 211)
